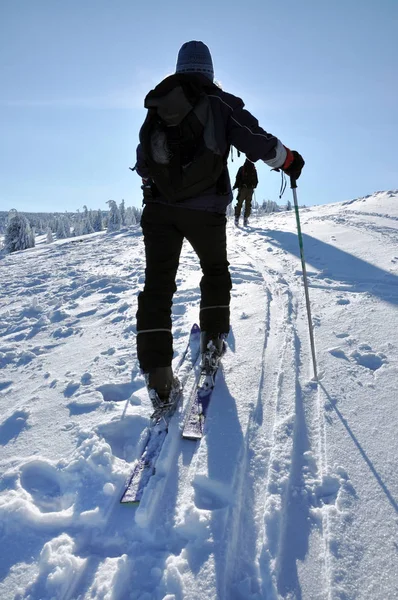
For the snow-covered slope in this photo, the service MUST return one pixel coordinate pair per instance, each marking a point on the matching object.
(292, 493)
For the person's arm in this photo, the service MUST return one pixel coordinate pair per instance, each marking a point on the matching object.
(244, 132)
(140, 165)
(238, 179)
(255, 179)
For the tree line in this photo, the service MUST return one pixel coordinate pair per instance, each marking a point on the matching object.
(20, 229)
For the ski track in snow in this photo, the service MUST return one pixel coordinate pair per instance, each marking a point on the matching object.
(287, 465)
(272, 502)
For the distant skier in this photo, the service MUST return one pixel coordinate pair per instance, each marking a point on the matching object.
(246, 181)
(182, 159)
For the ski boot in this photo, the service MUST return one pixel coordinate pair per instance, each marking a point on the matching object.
(212, 347)
(237, 221)
(163, 389)
(245, 222)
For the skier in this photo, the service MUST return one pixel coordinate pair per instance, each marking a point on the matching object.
(182, 160)
(246, 181)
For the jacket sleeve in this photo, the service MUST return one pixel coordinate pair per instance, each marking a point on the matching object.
(255, 179)
(140, 165)
(238, 179)
(244, 132)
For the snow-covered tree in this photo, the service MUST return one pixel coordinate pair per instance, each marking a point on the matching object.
(122, 211)
(114, 219)
(63, 228)
(97, 220)
(130, 217)
(288, 205)
(86, 224)
(19, 234)
(137, 213)
(49, 238)
(269, 206)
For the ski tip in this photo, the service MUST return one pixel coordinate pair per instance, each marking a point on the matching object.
(195, 328)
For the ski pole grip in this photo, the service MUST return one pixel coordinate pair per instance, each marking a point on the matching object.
(293, 183)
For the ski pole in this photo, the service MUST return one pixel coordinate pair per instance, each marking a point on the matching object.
(293, 186)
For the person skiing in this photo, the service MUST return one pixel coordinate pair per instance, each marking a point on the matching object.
(182, 159)
(246, 181)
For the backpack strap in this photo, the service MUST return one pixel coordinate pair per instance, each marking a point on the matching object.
(173, 141)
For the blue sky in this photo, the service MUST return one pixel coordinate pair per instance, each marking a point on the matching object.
(321, 76)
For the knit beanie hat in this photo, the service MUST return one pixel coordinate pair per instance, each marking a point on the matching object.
(195, 57)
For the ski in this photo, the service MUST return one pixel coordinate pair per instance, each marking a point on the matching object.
(145, 466)
(199, 403)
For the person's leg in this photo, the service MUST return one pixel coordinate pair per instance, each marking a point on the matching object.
(163, 242)
(239, 202)
(206, 232)
(248, 203)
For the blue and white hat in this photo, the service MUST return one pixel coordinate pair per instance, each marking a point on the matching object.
(195, 57)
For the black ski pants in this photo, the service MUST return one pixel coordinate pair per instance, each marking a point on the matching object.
(245, 194)
(164, 228)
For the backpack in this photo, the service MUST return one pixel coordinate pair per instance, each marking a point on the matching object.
(249, 176)
(178, 138)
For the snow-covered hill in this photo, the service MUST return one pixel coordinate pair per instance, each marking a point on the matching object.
(292, 493)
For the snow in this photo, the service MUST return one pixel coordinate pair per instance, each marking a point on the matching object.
(293, 491)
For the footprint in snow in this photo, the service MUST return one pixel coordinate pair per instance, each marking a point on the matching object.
(87, 313)
(81, 406)
(124, 436)
(45, 483)
(71, 388)
(179, 309)
(109, 352)
(63, 332)
(338, 353)
(110, 299)
(86, 378)
(369, 360)
(4, 385)
(328, 489)
(13, 426)
(117, 392)
(343, 301)
(58, 315)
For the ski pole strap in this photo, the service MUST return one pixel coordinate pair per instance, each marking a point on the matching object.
(283, 185)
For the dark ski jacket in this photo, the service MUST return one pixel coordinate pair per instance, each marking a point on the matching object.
(246, 176)
(234, 126)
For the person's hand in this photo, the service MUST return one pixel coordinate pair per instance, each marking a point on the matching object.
(293, 164)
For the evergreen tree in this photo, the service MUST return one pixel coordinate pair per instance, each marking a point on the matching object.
(86, 226)
(114, 219)
(97, 220)
(19, 234)
(63, 228)
(49, 238)
(130, 217)
(137, 214)
(122, 211)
